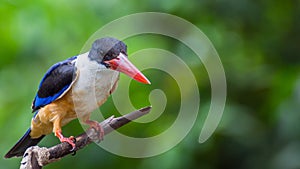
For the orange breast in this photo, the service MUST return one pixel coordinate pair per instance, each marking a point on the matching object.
(53, 116)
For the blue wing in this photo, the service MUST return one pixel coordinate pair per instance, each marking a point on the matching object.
(56, 82)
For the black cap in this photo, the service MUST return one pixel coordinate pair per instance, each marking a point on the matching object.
(106, 49)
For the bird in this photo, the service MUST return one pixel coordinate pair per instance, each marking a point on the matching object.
(74, 88)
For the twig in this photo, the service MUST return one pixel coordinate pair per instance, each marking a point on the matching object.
(35, 157)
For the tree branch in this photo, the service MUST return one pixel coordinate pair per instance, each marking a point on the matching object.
(35, 157)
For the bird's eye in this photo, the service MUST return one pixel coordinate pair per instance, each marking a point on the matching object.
(106, 57)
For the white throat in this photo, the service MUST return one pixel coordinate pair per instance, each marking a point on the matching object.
(93, 84)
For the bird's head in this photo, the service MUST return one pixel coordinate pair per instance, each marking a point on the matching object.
(112, 53)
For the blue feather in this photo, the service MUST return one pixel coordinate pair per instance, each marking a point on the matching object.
(42, 101)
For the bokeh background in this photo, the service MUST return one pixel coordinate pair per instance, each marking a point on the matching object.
(258, 43)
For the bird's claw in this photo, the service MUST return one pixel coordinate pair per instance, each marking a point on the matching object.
(99, 130)
(71, 140)
(97, 127)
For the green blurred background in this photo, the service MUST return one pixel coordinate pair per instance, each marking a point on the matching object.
(258, 43)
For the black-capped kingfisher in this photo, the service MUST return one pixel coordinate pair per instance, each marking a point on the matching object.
(73, 89)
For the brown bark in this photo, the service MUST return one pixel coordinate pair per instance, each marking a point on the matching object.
(37, 157)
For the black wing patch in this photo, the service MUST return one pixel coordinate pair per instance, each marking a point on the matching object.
(56, 82)
(59, 78)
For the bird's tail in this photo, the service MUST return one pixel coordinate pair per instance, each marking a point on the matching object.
(20, 147)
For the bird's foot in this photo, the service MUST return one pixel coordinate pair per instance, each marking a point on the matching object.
(97, 127)
(71, 140)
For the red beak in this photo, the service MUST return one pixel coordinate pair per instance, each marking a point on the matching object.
(122, 64)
